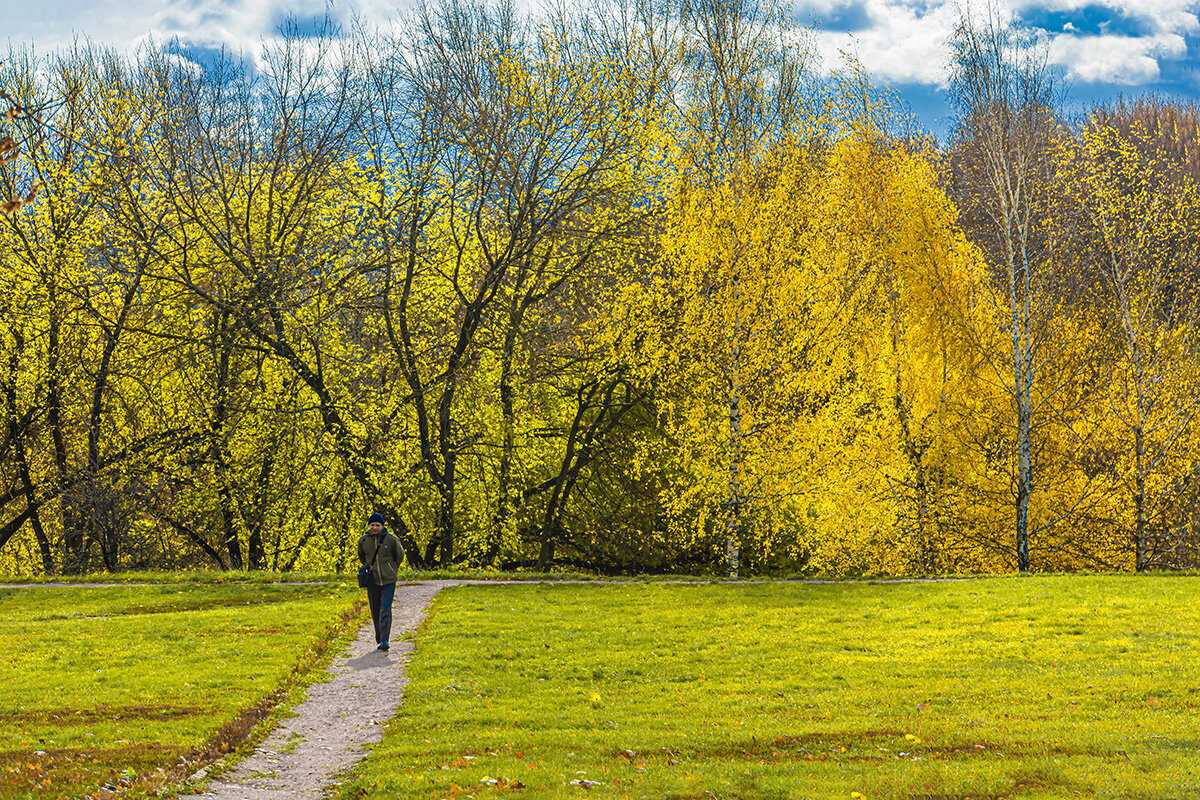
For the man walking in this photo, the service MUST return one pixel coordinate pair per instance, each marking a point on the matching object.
(383, 552)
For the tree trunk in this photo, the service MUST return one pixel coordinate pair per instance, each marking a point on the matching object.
(1141, 558)
(16, 431)
(546, 551)
(42, 540)
(733, 537)
(73, 537)
(197, 540)
(32, 508)
(1021, 380)
(1140, 534)
(446, 520)
(913, 450)
(255, 550)
(226, 505)
(255, 553)
(551, 526)
(1025, 369)
(101, 496)
(233, 547)
(734, 521)
(1024, 486)
(504, 473)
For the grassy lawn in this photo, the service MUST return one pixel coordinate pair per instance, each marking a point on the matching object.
(272, 578)
(1033, 687)
(100, 684)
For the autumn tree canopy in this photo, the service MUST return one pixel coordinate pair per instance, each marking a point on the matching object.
(633, 290)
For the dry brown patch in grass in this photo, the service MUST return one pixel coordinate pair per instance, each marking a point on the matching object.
(1022, 785)
(72, 770)
(870, 745)
(106, 713)
(817, 746)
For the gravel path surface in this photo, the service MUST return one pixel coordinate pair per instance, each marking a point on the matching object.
(331, 728)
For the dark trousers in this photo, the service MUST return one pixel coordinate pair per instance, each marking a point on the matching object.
(380, 598)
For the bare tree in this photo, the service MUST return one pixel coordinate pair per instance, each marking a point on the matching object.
(531, 139)
(249, 162)
(1003, 162)
(89, 283)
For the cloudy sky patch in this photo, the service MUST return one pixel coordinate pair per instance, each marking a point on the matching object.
(1104, 47)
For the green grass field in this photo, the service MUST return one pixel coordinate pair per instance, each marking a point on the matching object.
(101, 685)
(1037, 687)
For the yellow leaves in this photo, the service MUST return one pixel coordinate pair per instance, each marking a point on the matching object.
(823, 280)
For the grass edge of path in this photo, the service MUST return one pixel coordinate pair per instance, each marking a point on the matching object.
(239, 736)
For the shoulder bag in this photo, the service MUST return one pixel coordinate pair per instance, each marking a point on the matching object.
(365, 578)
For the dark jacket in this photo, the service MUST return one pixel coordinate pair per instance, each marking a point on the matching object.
(391, 556)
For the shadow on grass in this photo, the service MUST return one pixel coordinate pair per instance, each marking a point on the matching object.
(105, 713)
(1029, 783)
(177, 607)
(868, 745)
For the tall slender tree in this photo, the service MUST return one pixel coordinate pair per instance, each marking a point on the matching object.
(1005, 140)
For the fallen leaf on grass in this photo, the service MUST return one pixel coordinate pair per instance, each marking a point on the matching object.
(502, 783)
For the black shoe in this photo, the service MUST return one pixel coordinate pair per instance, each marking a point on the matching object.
(383, 647)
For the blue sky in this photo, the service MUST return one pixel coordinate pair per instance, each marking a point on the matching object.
(1104, 48)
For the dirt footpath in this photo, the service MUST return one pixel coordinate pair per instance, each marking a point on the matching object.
(338, 719)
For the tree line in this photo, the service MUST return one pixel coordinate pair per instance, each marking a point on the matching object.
(626, 289)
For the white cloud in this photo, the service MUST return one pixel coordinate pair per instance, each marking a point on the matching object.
(901, 42)
(50, 24)
(241, 26)
(905, 44)
(906, 40)
(1160, 16)
(1130, 60)
(1127, 60)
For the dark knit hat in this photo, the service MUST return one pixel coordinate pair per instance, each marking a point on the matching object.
(376, 518)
